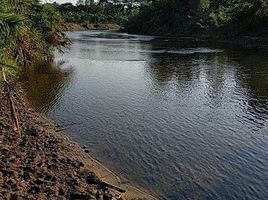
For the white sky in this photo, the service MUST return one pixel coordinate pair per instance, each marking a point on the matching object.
(60, 1)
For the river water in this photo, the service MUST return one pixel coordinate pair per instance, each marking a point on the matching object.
(182, 121)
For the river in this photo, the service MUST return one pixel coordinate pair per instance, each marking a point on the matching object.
(182, 121)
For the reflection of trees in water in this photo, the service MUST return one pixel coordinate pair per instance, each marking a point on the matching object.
(226, 76)
(186, 70)
(45, 83)
(254, 71)
(218, 75)
(164, 68)
(254, 77)
(219, 72)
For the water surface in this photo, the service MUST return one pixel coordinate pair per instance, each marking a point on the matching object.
(184, 122)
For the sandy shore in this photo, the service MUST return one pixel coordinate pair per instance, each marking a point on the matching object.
(40, 162)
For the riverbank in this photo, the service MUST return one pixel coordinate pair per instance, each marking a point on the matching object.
(71, 27)
(40, 162)
(82, 27)
(205, 40)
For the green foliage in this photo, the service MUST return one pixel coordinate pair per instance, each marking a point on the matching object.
(164, 16)
(223, 17)
(28, 30)
(8, 24)
(8, 68)
(204, 4)
(87, 12)
(219, 17)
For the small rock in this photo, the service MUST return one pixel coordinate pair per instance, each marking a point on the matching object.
(34, 189)
(31, 131)
(61, 192)
(39, 181)
(80, 196)
(107, 196)
(54, 155)
(23, 142)
(11, 185)
(77, 164)
(7, 172)
(14, 197)
(92, 179)
(50, 178)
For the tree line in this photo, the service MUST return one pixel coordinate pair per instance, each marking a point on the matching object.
(209, 17)
(87, 12)
(30, 30)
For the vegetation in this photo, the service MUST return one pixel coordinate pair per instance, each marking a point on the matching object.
(88, 13)
(217, 17)
(28, 31)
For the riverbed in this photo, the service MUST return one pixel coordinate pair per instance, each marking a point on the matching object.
(181, 121)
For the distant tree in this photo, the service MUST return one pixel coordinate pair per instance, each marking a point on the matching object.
(80, 2)
(89, 2)
(103, 2)
(223, 17)
(87, 13)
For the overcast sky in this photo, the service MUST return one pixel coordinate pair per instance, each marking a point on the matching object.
(60, 1)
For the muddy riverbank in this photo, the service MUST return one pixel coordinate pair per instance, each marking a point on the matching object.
(40, 162)
(84, 27)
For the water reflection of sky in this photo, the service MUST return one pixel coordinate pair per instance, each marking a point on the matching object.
(185, 123)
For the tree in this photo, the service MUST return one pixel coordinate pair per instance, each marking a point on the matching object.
(80, 2)
(89, 2)
(218, 17)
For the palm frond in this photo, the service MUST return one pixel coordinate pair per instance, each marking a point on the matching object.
(11, 19)
(8, 24)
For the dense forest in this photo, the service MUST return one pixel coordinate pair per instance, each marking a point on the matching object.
(89, 14)
(173, 17)
(212, 17)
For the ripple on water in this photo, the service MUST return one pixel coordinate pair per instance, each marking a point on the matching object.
(185, 123)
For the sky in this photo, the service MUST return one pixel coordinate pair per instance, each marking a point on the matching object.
(60, 1)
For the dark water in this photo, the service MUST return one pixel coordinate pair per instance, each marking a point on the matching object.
(184, 123)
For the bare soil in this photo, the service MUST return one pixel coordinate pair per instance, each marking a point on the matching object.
(39, 162)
